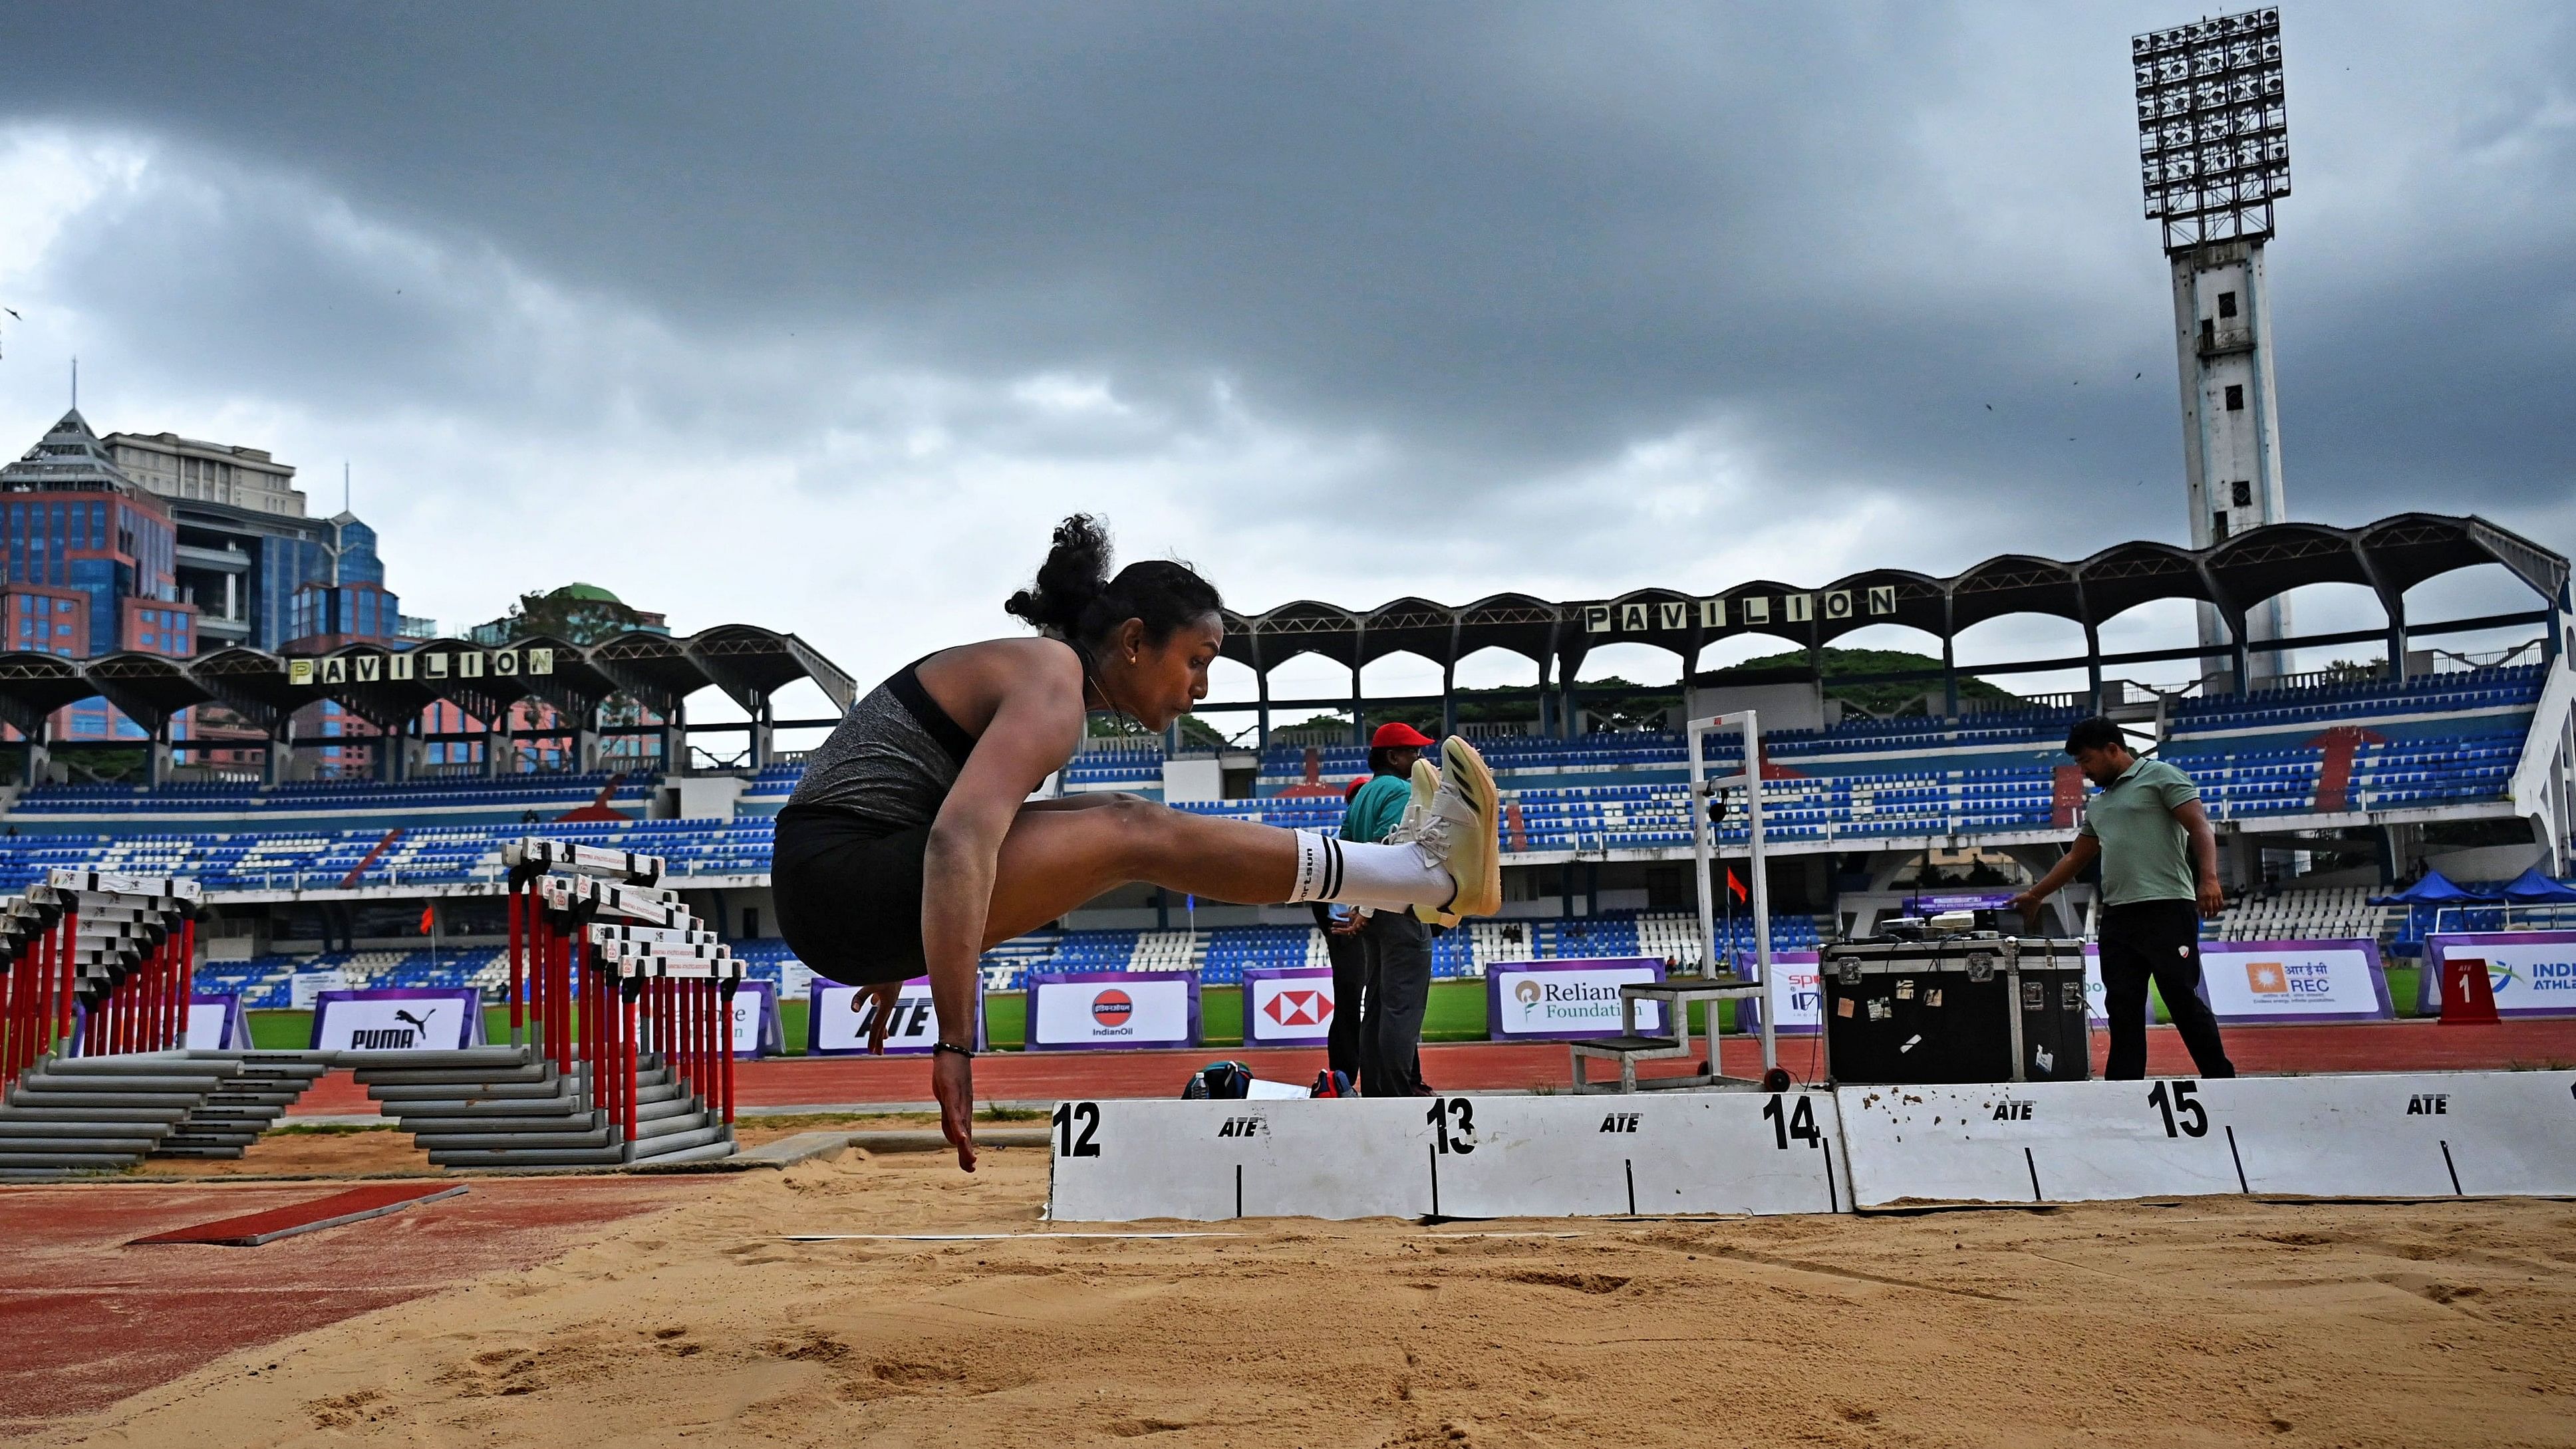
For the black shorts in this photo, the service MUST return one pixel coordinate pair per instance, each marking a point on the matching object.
(848, 895)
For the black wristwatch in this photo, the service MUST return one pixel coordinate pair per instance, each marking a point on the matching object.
(949, 1046)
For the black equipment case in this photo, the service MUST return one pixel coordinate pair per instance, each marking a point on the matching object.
(1970, 1008)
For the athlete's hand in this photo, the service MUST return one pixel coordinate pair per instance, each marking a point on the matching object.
(2213, 899)
(952, 1080)
(881, 1001)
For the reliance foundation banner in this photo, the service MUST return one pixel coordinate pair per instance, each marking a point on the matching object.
(1112, 1010)
(406, 1019)
(838, 1019)
(1567, 1000)
(1288, 1007)
(2255, 981)
(2533, 972)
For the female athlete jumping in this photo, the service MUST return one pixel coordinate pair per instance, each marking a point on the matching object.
(912, 844)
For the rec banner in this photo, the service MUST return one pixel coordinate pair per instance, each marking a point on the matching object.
(756, 1031)
(838, 1019)
(1112, 1010)
(1289, 1007)
(406, 1019)
(2533, 972)
(2254, 981)
(1567, 1000)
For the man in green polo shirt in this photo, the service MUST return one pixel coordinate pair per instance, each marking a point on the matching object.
(2159, 877)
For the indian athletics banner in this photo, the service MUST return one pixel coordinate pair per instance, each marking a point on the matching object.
(1288, 1007)
(1567, 1000)
(1795, 998)
(1112, 1010)
(838, 1019)
(397, 1019)
(2533, 972)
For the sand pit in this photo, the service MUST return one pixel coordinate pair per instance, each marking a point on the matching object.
(2195, 1323)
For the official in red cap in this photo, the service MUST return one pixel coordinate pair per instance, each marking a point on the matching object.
(1396, 988)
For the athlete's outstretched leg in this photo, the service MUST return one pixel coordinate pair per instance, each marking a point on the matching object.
(1055, 859)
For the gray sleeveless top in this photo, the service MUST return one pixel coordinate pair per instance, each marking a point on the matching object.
(890, 762)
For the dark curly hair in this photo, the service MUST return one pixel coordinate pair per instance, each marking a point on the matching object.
(1075, 598)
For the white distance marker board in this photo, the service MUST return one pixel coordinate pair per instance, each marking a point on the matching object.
(1451, 1157)
(1646, 1153)
(1204, 1161)
(2442, 1134)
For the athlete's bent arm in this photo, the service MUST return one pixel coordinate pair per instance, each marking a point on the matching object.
(1034, 731)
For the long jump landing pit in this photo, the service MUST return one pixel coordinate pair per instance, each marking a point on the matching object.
(2209, 1322)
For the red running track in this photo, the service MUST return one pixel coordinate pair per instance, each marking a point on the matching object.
(86, 1320)
(2400, 1046)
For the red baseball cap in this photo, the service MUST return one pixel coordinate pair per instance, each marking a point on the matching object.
(1396, 734)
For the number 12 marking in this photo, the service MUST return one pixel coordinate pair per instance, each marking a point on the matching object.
(1068, 1116)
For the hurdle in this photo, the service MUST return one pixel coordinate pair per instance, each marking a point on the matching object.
(620, 1006)
(96, 970)
(1717, 980)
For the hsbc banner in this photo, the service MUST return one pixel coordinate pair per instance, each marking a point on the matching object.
(1291, 1007)
(756, 1030)
(2255, 981)
(2533, 972)
(1567, 1000)
(838, 1019)
(1112, 1010)
(216, 1023)
(397, 1020)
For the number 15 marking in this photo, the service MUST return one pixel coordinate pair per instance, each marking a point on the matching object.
(2180, 1103)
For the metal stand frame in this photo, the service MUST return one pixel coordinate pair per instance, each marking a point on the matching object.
(1717, 981)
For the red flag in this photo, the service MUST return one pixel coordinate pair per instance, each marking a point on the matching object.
(1734, 887)
(429, 921)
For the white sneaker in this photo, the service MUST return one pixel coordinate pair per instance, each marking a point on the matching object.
(1426, 783)
(1459, 829)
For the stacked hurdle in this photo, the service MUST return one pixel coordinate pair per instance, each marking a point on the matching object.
(620, 1044)
(95, 976)
(135, 944)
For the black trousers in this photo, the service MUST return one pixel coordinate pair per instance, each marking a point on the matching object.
(1349, 956)
(2158, 940)
(1399, 990)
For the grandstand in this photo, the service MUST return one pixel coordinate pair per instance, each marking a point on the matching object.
(1590, 818)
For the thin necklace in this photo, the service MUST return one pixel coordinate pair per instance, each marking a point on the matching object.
(1091, 678)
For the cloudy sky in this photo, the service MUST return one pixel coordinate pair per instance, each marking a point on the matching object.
(816, 315)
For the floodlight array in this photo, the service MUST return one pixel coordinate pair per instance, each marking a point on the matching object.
(2213, 127)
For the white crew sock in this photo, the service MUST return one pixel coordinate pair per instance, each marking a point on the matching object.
(1380, 877)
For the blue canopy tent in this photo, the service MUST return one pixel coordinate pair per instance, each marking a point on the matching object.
(2435, 889)
(2531, 888)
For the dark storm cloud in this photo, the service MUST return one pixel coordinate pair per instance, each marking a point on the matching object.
(1892, 248)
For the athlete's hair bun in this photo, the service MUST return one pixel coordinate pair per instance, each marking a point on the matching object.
(1075, 572)
(1075, 598)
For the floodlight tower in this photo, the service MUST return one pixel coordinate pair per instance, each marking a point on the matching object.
(2214, 153)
